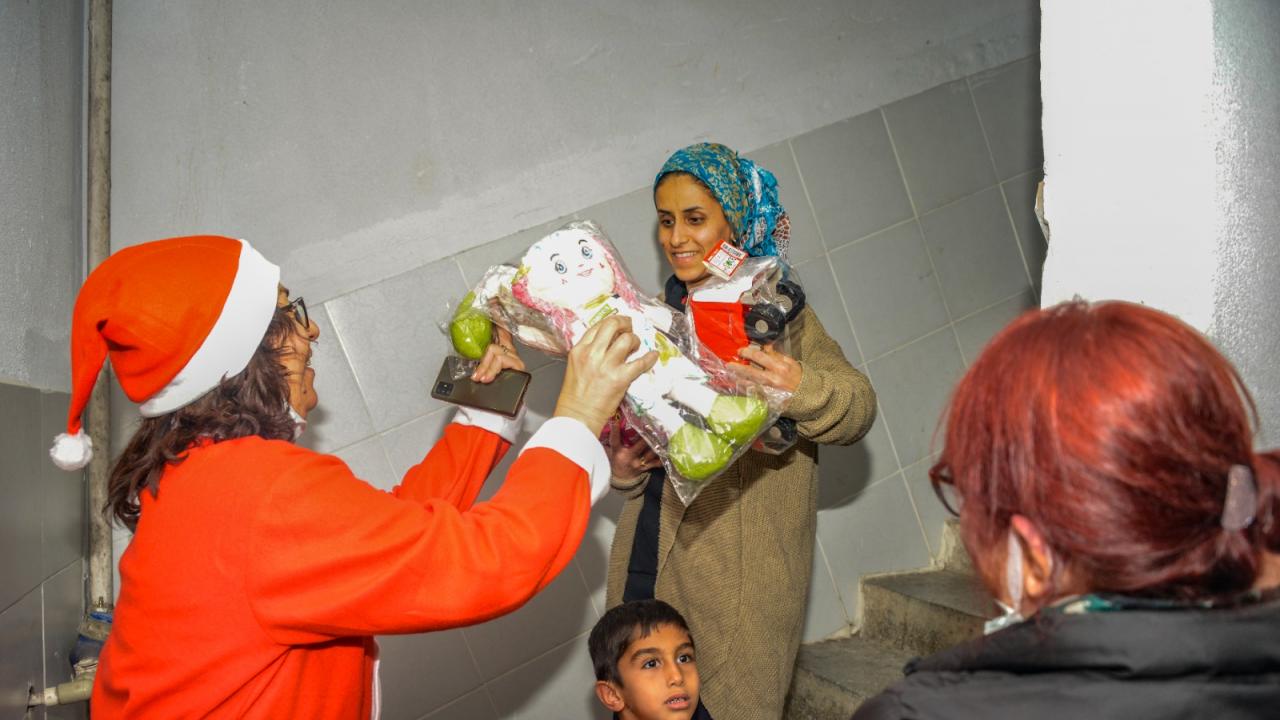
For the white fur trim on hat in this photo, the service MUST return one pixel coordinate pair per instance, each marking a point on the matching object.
(71, 452)
(232, 341)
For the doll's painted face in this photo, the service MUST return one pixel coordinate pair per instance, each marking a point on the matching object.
(568, 268)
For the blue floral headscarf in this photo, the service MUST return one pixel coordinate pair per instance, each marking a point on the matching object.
(747, 193)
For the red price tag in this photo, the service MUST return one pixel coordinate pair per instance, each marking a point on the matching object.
(724, 259)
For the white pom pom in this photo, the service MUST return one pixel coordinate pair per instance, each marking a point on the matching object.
(71, 452)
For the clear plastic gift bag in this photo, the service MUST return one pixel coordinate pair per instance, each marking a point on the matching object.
(758, 304)
(697, 415)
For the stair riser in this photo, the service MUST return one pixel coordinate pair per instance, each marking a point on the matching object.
(813, 698)
(913, 625)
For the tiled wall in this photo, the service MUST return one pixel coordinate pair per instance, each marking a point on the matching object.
(915, 240)
(42, 521)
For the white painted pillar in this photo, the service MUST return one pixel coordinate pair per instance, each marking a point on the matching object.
(1162, 167)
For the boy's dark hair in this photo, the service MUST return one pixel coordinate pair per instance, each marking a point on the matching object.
(623, 625)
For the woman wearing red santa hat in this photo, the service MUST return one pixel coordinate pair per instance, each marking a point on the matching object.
(259, 571)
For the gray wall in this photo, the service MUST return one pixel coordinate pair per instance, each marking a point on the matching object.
(352, 140)
(40, 199)
(42, 514)
(386, 154)
(914, 237)
(1248, 282)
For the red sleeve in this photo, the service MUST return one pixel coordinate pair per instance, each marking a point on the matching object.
(334, 556)
(455, 468)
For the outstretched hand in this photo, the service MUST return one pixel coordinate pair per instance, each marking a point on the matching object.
(629, 461)
(598, 374)
(497, 357)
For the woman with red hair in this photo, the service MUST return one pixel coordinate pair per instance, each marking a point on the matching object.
(1101, 459)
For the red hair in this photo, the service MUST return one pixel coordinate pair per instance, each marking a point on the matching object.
(1111, 427)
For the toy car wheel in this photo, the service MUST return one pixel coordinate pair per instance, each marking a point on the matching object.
(794, 298)
(764, 323)
(786, 429)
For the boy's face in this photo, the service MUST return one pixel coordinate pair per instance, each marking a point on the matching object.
(659, 678)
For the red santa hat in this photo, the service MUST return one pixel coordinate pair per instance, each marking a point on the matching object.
(176, 316)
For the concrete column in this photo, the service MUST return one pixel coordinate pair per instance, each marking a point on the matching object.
(1162, 164)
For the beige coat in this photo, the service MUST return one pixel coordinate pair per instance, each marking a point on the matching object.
(736, 563)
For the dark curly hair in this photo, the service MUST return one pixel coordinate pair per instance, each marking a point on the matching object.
(252, 402)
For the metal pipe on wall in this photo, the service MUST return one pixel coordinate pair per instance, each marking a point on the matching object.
(100, 582)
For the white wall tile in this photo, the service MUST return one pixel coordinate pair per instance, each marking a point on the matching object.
(1008, 100)
(24, 455)
(889, 289)
(806, 243)
(63, 608)
(932, 514)
(540, 403)
(408, 444)
(340, 418)
(940, 143)
(852, 177)
(823, 296)
(560, 612)
(846, 470)
(974, 331)
(1020, 194)
(421, 673)
(974, 252)
(593, 557)
(21, 653)
(877, 532)
(824, 612)
(368, 461)
(64, 505)
(477, 260)
(556, 686)
(475, 705)
(913, 384)
(631, 222)
(392, 341)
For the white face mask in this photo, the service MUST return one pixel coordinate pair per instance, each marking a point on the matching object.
(299, 422)
(1010, 615)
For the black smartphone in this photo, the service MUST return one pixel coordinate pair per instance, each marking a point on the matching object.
(504, 395)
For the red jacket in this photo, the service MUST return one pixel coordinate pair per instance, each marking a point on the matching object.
(258, 574)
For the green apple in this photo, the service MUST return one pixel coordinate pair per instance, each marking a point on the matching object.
(470, 329)
(697, 454)
(737, 418)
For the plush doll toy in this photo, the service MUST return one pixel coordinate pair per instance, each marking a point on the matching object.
(571, 280)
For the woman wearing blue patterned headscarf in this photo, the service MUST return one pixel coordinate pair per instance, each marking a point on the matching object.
(736, 562)
(747, 193)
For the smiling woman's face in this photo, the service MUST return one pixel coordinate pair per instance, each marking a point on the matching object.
(690, 223)
(296, 358)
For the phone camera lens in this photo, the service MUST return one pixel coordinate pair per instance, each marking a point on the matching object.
(444, 388)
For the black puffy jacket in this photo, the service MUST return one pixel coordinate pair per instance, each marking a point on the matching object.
(1139, 661)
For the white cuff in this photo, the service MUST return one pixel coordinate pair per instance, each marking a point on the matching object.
(507, 428)
(572, 439)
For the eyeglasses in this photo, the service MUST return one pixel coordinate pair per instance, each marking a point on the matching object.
(298, 307)
(944, 487)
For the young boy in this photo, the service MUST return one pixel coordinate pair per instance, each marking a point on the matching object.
(645, 663)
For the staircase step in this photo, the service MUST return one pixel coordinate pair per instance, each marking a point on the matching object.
(833, 677)
(924, 612)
